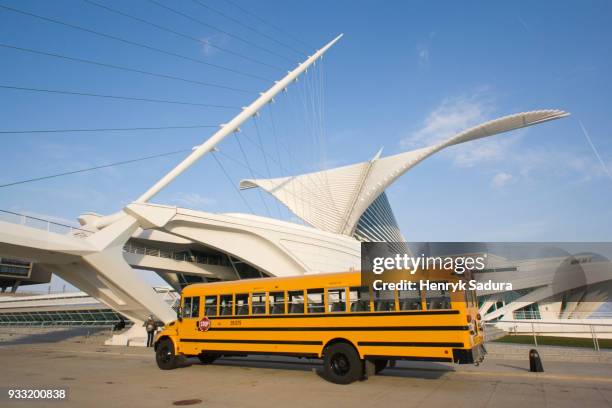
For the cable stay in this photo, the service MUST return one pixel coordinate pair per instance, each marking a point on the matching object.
(205, 24)
(181, 34)
(246, 161)
(127, 69)
(126, 98)
(133, 43)
(249, 27)
(105, 129)
(280, 30)
(120, 163)
(229, 179)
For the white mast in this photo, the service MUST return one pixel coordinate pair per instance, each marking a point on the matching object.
(234, 124)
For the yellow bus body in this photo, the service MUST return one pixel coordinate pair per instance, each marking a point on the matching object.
(444, 335)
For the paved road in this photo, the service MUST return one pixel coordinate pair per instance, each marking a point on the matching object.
(128, 377)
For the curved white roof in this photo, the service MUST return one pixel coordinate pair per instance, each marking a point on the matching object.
(333, 200)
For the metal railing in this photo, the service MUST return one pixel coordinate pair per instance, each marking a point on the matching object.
(177, 256)
(534, 329)
(536, 315)
(42, 224)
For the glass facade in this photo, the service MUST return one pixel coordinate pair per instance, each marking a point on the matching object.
(82, 317)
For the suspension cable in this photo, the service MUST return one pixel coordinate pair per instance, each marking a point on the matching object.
(123, 68)
(180, 34)
(127, 98)
(130, 42)
(250, 13)
(205, 24)
(104, 129)
(94, 168)
(235, 20)
(244, 200)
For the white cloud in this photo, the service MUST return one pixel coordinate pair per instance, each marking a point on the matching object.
(450, 117)
(501, 179)
(193, 200)
(423, 54)
(208, 43)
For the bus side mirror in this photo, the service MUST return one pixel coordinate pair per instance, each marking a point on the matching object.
(179, 315)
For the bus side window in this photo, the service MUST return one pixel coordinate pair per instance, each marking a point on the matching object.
(195, 306)
(437, 299)
(242, 304)
(410, 299)
(277, 303)
(226, 305)
(186, 307)
(210, 304)
(384, 300)
(296, 301)
(315, 301)
(258, 303)
(336, 300)
(360, 299)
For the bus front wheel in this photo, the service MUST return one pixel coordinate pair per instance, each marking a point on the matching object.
(341, 364)
(165, 356)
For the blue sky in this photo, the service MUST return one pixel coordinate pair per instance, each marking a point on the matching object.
(404, 75)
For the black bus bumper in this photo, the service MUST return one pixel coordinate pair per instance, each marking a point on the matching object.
(469, 356)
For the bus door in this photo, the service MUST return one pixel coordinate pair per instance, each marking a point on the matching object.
(190, 314)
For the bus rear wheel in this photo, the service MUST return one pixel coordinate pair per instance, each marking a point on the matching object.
(165, 356)
(341, 364)
(206, 358)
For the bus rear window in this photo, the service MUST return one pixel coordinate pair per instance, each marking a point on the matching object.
(277, 303)
(296, 302)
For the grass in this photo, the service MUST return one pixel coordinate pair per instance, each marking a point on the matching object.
(556, 341)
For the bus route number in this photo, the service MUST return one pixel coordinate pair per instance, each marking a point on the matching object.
(235, 322)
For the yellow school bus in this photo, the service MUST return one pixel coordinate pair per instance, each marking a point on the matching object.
(355, 329)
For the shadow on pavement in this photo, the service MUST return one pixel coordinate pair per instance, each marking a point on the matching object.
(52, 336)
(403, 369)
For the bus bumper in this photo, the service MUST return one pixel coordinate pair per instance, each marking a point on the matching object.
(469, 356)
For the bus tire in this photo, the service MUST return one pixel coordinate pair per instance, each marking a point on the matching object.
(207, 358)
(164, 355)
(341, 364)
(380, 365)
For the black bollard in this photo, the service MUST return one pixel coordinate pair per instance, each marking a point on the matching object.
(535, 363)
